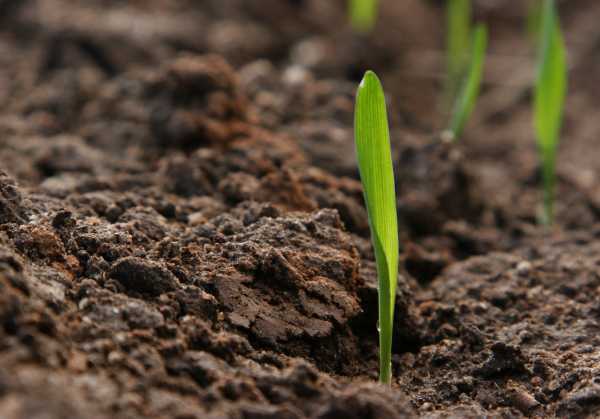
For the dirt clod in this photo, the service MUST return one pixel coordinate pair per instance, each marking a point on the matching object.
(139, 275)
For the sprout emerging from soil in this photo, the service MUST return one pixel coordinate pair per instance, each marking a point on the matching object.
(372, 138)
(466, 48)
(534, 20)
(458, 43)
(363, 14)
(550, 91)
(465, 102)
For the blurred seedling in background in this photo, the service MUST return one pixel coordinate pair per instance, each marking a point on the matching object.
(534, 19)
(466, 47)
(458, 44)
(549, 98)
(363, 14)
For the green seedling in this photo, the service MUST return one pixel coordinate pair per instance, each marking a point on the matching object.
(467, 96)
(372, 138)
(549, 97)
(363, 14)
(466, 48)
(458, 36)
(534, 19)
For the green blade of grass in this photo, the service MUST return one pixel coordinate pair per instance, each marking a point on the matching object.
(372, 138)
(363, 14)
(534, 20)
(467, 96)
(458, 30)
(550, 92)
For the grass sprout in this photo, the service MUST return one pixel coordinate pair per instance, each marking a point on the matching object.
(467, 96)
(549, 97)
(458, 15)
(534, 19)
(465, 49)
(372, 138)
(363, 14)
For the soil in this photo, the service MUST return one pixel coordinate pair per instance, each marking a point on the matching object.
(183, 235)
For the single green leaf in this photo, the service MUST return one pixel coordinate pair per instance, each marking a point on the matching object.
(549, 98)
(534, 20)
(467, 97)
(363, 14)
(372, 138)
(458, 38)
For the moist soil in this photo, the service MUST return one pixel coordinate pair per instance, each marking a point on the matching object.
(183, 235)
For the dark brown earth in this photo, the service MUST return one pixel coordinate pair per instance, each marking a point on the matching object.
(182, 232)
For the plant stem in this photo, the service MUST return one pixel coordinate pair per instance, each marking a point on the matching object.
(549, 180)
(385, 357)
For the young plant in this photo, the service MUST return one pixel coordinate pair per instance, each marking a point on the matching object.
(534, 19)
(467, 96)
(458, 38)
(549, 97)
(466, 55)
(372, 138)
(363, 14)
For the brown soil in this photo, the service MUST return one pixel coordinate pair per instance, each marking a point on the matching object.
(182, 232)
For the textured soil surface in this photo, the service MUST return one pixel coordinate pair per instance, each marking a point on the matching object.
(182, 231)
